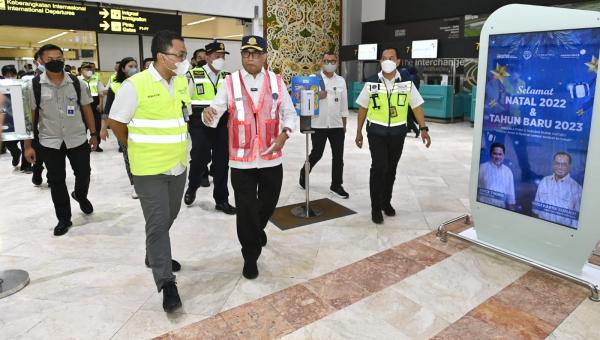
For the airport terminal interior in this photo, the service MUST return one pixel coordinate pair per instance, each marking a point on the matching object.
(489, 232)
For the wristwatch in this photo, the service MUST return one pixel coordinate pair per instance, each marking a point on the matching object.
(287, 131)
(424, 128)
(93, 134)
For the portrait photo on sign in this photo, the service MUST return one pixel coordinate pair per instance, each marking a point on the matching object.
(539, 98)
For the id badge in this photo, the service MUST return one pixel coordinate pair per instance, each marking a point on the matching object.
(70, 110)
(393, 112)
(199, 89)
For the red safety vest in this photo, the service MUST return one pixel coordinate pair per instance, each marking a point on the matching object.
(253, 127)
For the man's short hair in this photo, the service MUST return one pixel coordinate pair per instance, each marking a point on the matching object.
(48, 47)
(163, 41)
(390, 48)
(497, 145)
(148, 59)
(562, 153)
(329, 53)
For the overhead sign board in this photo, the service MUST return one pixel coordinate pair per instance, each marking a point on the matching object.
(77, 16)
(121, 20)
(47, 14)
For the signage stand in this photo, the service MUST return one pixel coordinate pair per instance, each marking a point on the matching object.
(12, 281)
(590, 277)
(307, 111)
(544, 211)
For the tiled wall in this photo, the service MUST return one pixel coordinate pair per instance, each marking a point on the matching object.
(299, 32)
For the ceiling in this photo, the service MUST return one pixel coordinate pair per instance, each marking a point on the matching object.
(219, 27)
(29, 37)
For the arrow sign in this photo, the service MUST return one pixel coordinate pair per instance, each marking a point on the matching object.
(104, 13)
(105, 25)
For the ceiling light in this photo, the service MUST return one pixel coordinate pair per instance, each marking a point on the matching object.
(53, 37)
(231, 36)
(200, 21)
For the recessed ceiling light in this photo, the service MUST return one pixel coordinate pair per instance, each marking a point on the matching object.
(200, 21)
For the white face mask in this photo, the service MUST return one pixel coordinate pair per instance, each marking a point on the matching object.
(330, 68)
(218, 64)
(181, 68)
(88, 73)
(388, 66)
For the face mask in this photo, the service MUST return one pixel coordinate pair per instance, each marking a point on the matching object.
(201, 63)
(88, 73)
(181, 68)
(330, 67)
(388, 66)
(132, 71)
(41, 68)
(55, 66)
(218, 64)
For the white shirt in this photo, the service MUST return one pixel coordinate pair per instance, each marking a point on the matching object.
(125, 105)
(563, 193)
(334, 106)
(415, 97)
(497, 183)
(287, 114)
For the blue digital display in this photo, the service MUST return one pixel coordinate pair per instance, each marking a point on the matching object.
(539, 98)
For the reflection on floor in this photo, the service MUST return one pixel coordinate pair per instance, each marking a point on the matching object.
(339, 279)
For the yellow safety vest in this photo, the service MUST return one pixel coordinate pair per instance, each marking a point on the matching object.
(389, 111)
(115, 87)
(111, 80)
(157, 139)
(92, 84)
(204, 89)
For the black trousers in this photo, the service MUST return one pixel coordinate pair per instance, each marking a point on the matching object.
(38, 167)
(79, 157)
(412, 121)
(210, 145)
(256, 194)
(13, 148)
(385, 155)
(336, 141)
(97, 118)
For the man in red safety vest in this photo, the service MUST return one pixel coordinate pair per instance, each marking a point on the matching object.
(261, 119)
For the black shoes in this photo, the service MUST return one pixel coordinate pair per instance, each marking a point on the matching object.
(263, 238)
(175, 266)
(377, 216)
(99, 149)
(62, 228)
(389, 210)
(302, 179)
(339, 191)
(84, 204)
(226, 208)
(204, 182)
(36, 179)
(190, 196)
(26, 169)
(171, 299)
(250, 270)
(16, 157)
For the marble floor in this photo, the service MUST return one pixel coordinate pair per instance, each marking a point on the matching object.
(339, 279)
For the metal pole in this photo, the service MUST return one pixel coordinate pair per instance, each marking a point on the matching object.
(442, 234)
(307, 179)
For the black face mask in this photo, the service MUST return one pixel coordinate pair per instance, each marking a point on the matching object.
(201, 63)
(55, 66)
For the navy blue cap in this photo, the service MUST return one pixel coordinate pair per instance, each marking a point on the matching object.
(255, 42)
(215, 46)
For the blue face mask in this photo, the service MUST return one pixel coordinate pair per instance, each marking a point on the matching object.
(132, 71)
(41, 68)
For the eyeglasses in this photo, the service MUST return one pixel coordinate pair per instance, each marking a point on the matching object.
(181, 56)
(255, 54)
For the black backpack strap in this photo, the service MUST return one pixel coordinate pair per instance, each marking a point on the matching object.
(77, 86)
(37, 95)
